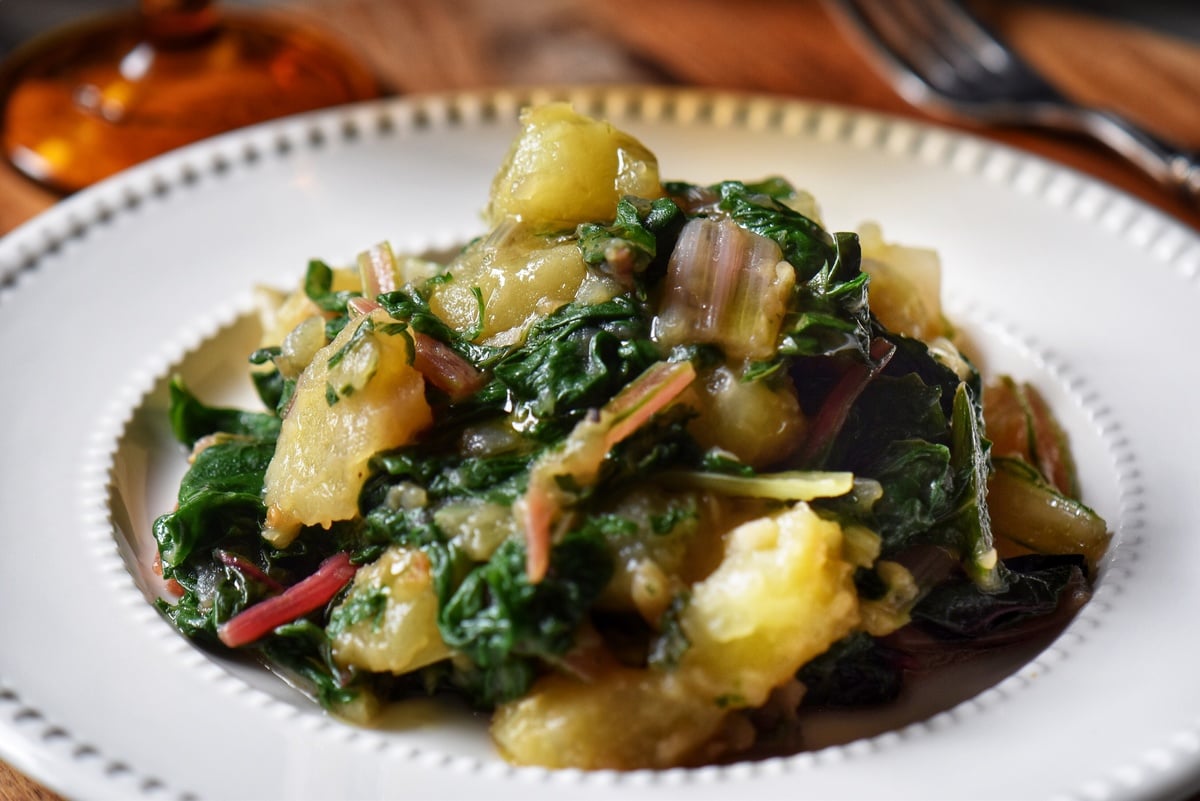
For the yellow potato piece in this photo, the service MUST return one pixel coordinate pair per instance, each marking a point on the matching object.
(780, 597)
(280, 313)
(403, 635)
(756, 422)
(906, 285)
(628, 719)
(519, 276)
(564, 169)
(320, 461)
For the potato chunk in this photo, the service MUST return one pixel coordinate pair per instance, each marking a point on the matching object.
(391, 616)
(564, 169)
(906, 285)
(758, 423)
(280, 313)
(519, 275)
(628, 719)
(780, 597)
(359, 396)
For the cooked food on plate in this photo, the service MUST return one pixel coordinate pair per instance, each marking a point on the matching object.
(645, 470)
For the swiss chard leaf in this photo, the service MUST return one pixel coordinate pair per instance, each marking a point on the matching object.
(302, 647)
(889, 409)
(213, 594)
(914, 356)
(366, 605)
(918, 491)
(662, 443)
(499, 479)
(487, 687)
(775, 187)
(642, 230)
(220, 509)
(383, 526)
(934, 490)
(191, 419)
(503, 623)
(220, 496)
(805, 244)
(273, 389)
(206, 519)
(897, 435)
(917, 429)
(412, 307)
(1035, 585)
(968, 529)
(573, 360)
(236, 466)
(318, 286)
(855, 671)
(830, 313)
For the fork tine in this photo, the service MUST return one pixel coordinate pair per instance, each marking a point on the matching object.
(951, 60)
(984, 61)
(933, 55)
(941, 58)
(901, 40)
(946, 50)
(979, 41)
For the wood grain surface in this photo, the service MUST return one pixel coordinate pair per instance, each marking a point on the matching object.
(785, 47)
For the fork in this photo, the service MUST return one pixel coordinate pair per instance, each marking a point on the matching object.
(940, 57)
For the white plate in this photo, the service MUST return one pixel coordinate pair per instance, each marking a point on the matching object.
(1068, 283)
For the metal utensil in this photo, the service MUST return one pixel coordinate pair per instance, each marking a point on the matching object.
(940, 57)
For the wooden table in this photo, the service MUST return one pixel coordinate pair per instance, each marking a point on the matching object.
(787, 47)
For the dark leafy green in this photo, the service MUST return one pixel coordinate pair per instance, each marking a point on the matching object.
(643, 230)
(412, 307)
(1035, 586)
(503, 623)
(191, 419)
(919, 490)
(499, 479)
(220, 509)
(808, 246)
(318, 286)
(303, 648)
(573, 360)
(855, 671)
(273, 389)
(890, 409)
(968, 530)
(203, 522)
(663, 443)
(235, 465)
(360, 607)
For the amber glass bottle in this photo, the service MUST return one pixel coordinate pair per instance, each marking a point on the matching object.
(82, 103)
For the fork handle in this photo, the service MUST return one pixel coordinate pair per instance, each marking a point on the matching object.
(1175, 169)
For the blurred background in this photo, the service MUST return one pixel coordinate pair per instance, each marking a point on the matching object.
(20, 20)
(1139, 57)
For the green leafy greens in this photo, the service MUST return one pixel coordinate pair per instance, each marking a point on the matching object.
(903, 422)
